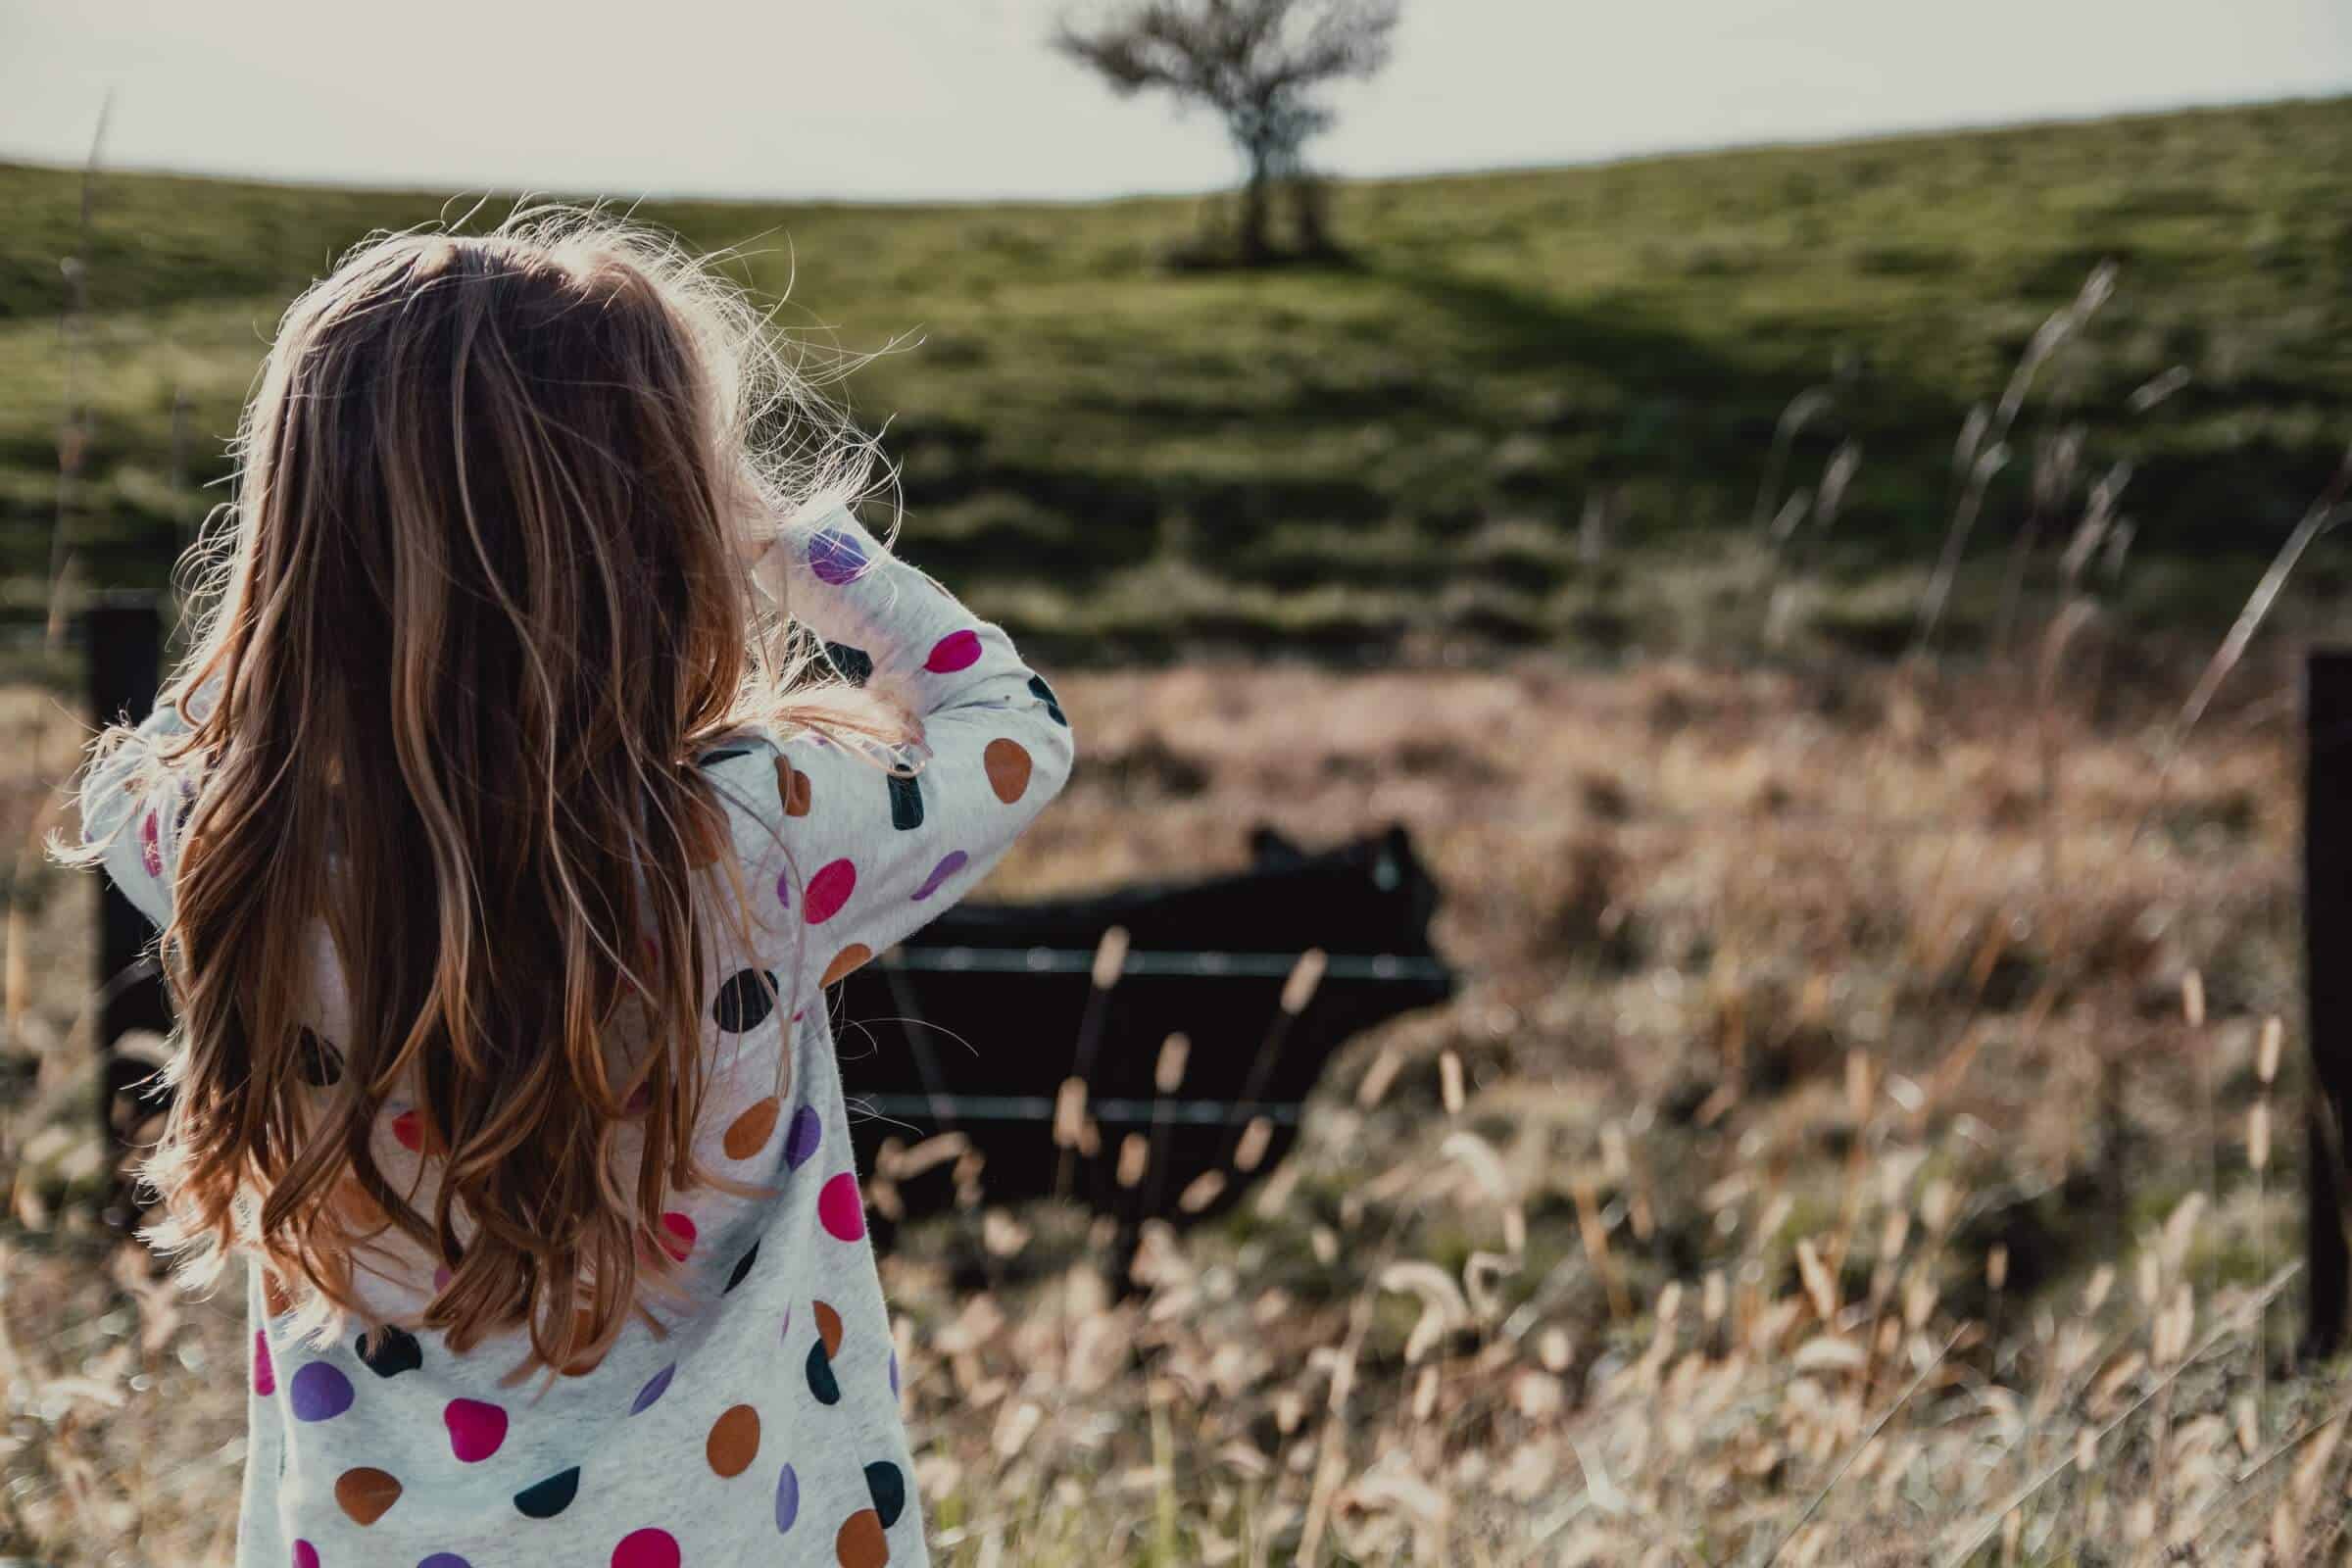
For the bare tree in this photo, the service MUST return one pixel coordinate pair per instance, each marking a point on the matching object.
(1258, 63)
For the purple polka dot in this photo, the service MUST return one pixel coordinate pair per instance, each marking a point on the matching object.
(834, 557)
(784, 889)
(319, 1392)
(801, 1138)
(788, 1498)
(444, 1559)
(949, 863)
(894, 1374)
(785, 1331)
(654, 1387)
(958, 650)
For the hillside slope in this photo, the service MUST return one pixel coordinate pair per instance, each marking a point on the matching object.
(1121, 458)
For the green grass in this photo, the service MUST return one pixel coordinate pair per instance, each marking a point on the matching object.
(1121, 458)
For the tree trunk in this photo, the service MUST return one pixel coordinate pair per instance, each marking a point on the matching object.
(1307, 196)
(1256, 202)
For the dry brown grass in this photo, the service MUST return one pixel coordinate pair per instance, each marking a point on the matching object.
(1821, 1163)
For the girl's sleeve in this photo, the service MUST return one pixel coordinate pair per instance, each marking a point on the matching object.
(875, 852)
(136, 811)
(262, 1534)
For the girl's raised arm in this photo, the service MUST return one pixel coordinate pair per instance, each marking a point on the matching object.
(136, 809)
(871, 853)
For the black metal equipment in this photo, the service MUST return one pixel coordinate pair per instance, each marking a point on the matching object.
(2327, 934)
(123, 633)
(980, 1024)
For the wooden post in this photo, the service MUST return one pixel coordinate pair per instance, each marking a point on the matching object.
(123, 633)
(2327, 932)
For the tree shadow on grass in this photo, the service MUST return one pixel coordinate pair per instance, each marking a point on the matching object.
(1682, 407)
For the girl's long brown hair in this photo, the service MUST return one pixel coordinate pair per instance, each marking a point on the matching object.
(481, 598)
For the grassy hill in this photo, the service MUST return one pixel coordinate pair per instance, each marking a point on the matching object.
(1120, 458)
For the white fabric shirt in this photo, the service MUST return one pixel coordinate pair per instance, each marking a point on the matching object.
(765, 1424)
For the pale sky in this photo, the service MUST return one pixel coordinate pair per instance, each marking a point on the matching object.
(889, 99)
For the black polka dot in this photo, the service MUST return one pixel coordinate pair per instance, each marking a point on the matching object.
(743, 1268)
(724, 754)
(745, 1001)
(1044, 693)
(551, 1496)
(821, 1381)
(888, 1487)
(905, 802)
(389, 1351)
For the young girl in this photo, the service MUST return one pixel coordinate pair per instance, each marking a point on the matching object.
(502, 857)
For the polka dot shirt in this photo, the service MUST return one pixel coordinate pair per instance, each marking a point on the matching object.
(764, 1426)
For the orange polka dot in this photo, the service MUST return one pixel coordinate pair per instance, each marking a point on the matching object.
(366, 1494)
(1007, 765)
(791, 787)
(861, 1543)
(847, 960)
(734, 1440)
(749, 1133)
(828, 1327)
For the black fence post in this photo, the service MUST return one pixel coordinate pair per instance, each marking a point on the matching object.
(122, 635)
(2327, 936)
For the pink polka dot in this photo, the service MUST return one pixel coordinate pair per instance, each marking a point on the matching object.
(441, 1278)
(829, 891)
(475, 1429)
(409, 1129)
(839, 1210)
(305, 1555)
(151, 848)
(958, 650)
(646, 1548)
(682, 1233)
(265, 1377)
